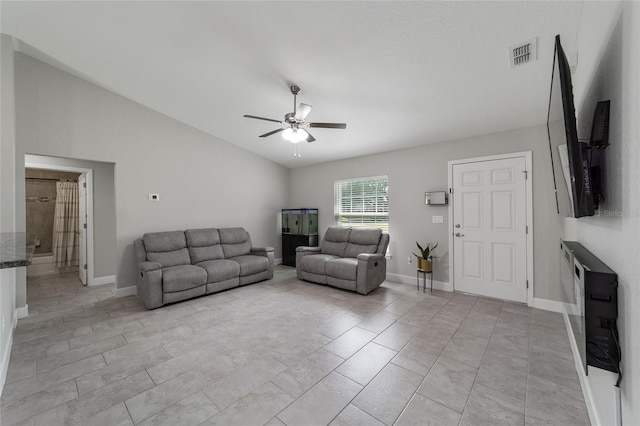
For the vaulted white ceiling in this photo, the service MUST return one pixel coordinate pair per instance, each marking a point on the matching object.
(400, 74)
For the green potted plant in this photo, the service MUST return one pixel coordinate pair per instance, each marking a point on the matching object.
(425, 257)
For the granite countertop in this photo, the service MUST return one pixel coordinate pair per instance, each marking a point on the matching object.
(16, 249)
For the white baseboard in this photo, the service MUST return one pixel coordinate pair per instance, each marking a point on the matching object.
(551, 305)
(109, 279)
(126, 291)
(277, 261)
(405, 279)
(22, 312)
(5, 355)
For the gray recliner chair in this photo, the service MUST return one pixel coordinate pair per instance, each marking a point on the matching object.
(348, 258)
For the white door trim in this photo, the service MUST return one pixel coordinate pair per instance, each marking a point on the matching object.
(529, 211)
(89, 175)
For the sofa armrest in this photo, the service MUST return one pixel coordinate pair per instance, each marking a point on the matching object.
(261, 250)
(149, 266)
(267, 252)
(308, 250)
(150, 284)
(302, 251)
(370, 257)
(372, 271)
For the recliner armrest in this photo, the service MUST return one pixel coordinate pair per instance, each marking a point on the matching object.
(150, 284)
(149, 266)
(301, 252)
(310, 250)
(262, 250)
(267, 252)
(368, 257)
(372, 271)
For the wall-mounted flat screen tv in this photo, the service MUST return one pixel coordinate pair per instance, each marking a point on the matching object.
(569, 157)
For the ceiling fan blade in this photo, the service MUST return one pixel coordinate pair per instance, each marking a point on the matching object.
(273, 132)
(262, 118)
(302, 112)
(310, 138)
(329, 125)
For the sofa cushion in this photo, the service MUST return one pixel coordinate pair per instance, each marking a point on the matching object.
(335, 241)
(170, 258)
(235, 242)
(167, 248)
(316, 263)
(204, 244)
(363, 241)
(343, 284)
(250, 265)
(220, 270)
(345, 268)
(183, 277)
(164, 241)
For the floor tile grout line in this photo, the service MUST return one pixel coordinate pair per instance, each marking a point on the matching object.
(399, 296)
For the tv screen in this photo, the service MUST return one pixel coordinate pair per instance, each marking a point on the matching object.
(569, 157)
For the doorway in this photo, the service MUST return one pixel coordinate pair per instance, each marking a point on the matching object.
(491, 226)
(59, 212)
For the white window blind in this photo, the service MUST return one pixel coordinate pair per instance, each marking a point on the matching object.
(362, 202)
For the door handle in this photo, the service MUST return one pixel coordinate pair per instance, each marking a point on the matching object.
(459, 234)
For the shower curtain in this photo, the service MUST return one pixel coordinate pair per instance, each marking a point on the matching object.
(65, 225)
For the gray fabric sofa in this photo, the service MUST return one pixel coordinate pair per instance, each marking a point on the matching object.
(348, 258)
(179, 265)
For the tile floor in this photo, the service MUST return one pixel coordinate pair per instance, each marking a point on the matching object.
(287, 352)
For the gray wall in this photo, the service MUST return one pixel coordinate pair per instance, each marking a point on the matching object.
(202, 181)
(10, 276)
(609, 68)
(104, 209)
(412, 172)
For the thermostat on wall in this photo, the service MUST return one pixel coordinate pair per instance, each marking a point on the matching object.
(154, 197)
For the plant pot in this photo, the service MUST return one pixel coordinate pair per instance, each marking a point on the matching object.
(424, 264)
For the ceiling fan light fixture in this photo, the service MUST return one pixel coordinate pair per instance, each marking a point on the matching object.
(287, 134)
(300, 135)
(295, 135)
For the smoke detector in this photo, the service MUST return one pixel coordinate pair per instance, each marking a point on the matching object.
(523, 53)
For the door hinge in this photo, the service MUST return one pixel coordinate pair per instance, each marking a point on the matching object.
(84, 226)
(526, 229)
(85, 266)
(84, 184)
(527, 283)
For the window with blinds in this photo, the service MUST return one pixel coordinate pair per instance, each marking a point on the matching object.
(362, 202)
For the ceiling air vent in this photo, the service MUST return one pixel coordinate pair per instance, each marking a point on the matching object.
(523, 53)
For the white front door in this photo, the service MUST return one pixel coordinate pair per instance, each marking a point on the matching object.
(82, 227)
(489, 228)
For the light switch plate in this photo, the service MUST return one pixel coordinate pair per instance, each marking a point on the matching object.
(437, 219)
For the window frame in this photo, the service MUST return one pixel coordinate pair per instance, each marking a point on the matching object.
(339, 213)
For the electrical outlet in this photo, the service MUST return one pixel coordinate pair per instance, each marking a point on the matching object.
(154, 197)
(437, 219)
(410, 260)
